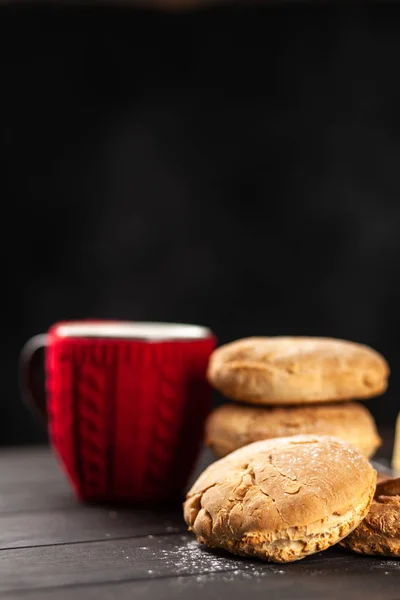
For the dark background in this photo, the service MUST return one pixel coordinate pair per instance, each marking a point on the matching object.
(237, 167)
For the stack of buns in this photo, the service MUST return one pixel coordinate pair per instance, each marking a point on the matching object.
(293, 476)
(285, 386)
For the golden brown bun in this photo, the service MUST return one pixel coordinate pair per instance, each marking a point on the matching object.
(379, 532)
(296, 370)
(281, 499)
(232, 426)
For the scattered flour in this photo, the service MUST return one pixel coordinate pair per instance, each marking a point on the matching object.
(191, 558)
(394, 565)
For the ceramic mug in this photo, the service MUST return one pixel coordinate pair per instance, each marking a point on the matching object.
(125, 404)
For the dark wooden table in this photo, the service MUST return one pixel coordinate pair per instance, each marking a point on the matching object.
(52, 547)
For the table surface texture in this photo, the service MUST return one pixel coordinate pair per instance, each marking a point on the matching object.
(53, 547)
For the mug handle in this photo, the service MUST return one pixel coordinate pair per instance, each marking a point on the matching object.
(31, 386)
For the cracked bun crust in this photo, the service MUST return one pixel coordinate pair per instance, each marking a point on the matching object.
(232, 426)
(379, 532)
(281, 499)
(297, 370)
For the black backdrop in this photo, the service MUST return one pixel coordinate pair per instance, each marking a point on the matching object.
(235, 167)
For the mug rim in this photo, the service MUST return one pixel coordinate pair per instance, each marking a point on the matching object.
(131, 330)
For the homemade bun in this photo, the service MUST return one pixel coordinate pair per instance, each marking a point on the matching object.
(296, 370)
(232, 426)
(379, 532)
(281, 499)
